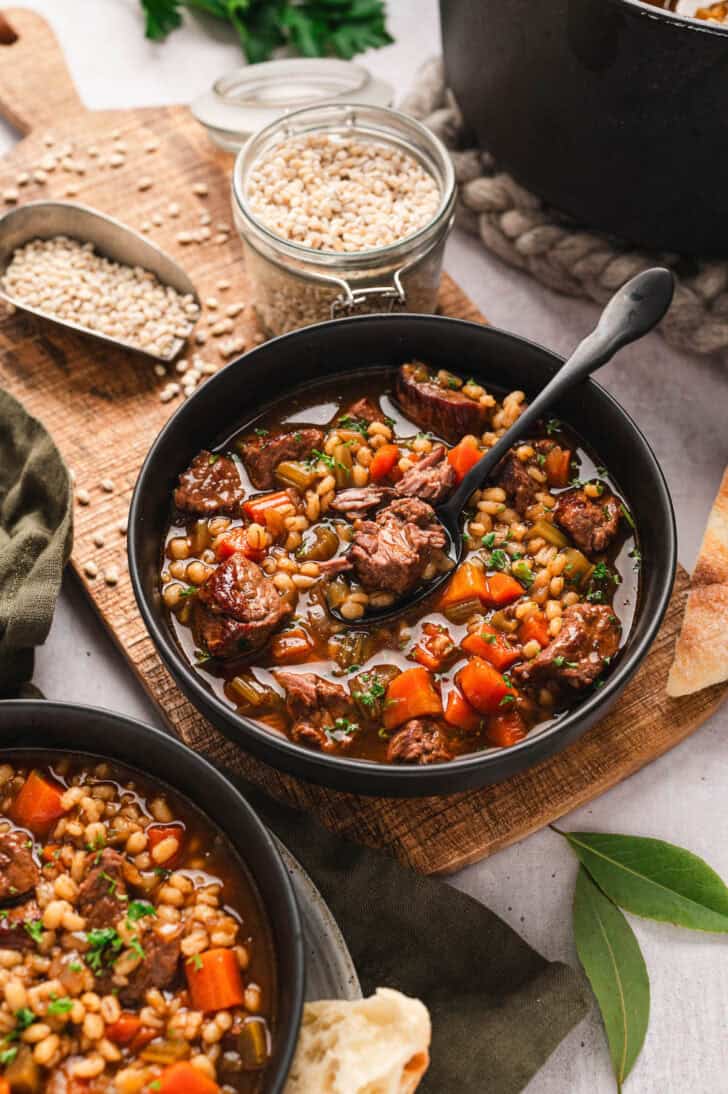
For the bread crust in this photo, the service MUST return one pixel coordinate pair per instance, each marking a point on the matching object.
(701, 650)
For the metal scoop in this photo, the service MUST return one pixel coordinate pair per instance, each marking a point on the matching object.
(633, 311)
(111, 239)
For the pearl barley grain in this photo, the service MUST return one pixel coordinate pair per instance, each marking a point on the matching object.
(341, 193)
(69, 280)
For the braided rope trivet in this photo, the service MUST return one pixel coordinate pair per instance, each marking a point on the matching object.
(523, 231)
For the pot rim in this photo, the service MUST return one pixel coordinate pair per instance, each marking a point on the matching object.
(74, 714)
(389, 778)
(687, 22)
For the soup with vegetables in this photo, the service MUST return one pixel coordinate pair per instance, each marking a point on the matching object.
(134, 954)
(327, 500)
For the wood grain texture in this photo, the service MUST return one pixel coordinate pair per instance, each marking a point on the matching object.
(103, 410)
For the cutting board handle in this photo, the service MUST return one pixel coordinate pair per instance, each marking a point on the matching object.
(36, 89)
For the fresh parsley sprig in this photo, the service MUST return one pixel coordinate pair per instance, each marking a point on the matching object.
(313, 28)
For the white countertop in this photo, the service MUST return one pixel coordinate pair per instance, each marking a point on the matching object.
(679, 402)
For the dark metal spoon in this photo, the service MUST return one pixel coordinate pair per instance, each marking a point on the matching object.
(632, 312)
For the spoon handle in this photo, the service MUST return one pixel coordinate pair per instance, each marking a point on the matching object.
(633, 311)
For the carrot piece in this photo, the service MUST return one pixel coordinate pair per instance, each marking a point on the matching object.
(214, 980)
(558, 466)
(536, 626)
(463, 456)
(184, 1078)
(38, 804)
(505, 729)
(491, 645)
(459, 713)
(142, 1039)
(291, 647)
(412, 694)
(124, 1029)
(158, 832)
(260, 508)
(50, 852)
(4, 1086)
(384, 462)
(236, 539)
(501, 589)
(483, 686)
(435, 647)
(467, 583)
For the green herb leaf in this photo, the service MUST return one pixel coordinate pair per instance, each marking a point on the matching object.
(35, 930)
(498, 559)
(24, 1018)
(488, 539)
(138, 909)
(161, 17)
(654, 879)
(104, 943)
(7, 1055)
(60, 1006)
(613, 962)
(553, 425)
(628, 516)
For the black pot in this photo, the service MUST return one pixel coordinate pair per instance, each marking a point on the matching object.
(338, 348)
(34, 724)
(614, 111)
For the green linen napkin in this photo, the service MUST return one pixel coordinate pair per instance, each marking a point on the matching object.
(498, 1008)
(35, 541)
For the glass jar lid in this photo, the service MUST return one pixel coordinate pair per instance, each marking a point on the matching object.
(244, 101)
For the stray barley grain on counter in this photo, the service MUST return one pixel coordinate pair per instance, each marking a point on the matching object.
(69, 280)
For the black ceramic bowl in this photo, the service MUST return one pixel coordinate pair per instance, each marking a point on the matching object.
(34, 724)
(339, 348)
(614, 111)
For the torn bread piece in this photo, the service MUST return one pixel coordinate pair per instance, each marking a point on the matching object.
(701, 651)
(378, 1045)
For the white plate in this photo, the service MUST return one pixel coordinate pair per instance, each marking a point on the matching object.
(330, 972)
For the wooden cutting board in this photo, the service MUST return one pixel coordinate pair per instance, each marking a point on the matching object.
(103, 410)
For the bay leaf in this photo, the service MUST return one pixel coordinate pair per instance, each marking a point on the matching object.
(654, 879)
(613, 962)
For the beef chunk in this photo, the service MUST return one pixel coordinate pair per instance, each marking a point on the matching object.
(360, 499)
(589, 636)
(261, 455)
(592, 523)
(365, 410)
(101, 898)
(420, 741)
(159, 967)
(238, 608)
(368, 690)
(431, 479)
(18, 871)
(392, 553)
(13, 935)
(315, 704)
(437, 409)
(211, 484)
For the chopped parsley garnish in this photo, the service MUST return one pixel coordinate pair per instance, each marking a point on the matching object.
(489, 638)
(382, 734)
(98, 844)
(506, 700)
(4, 914)
(35, 930)
(636, 554)
(156, 1084)
(201, 656)
(488, 540)
(540, 459)
(111, 880)
(136, 946)
(24, 1017)
(601, 572)
(259, 432)
(7, 1055)
(29, 844)
(356, 425)
(60, 1006)
(323, 457)
(343, 730)
(213, 458)
(195, 961)
(188, 590)
(596, 596)
(138, 909)
(553, 425)
(499, 559)
(561, 661)
(104, 945)
(375, 690)
(75, 966)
